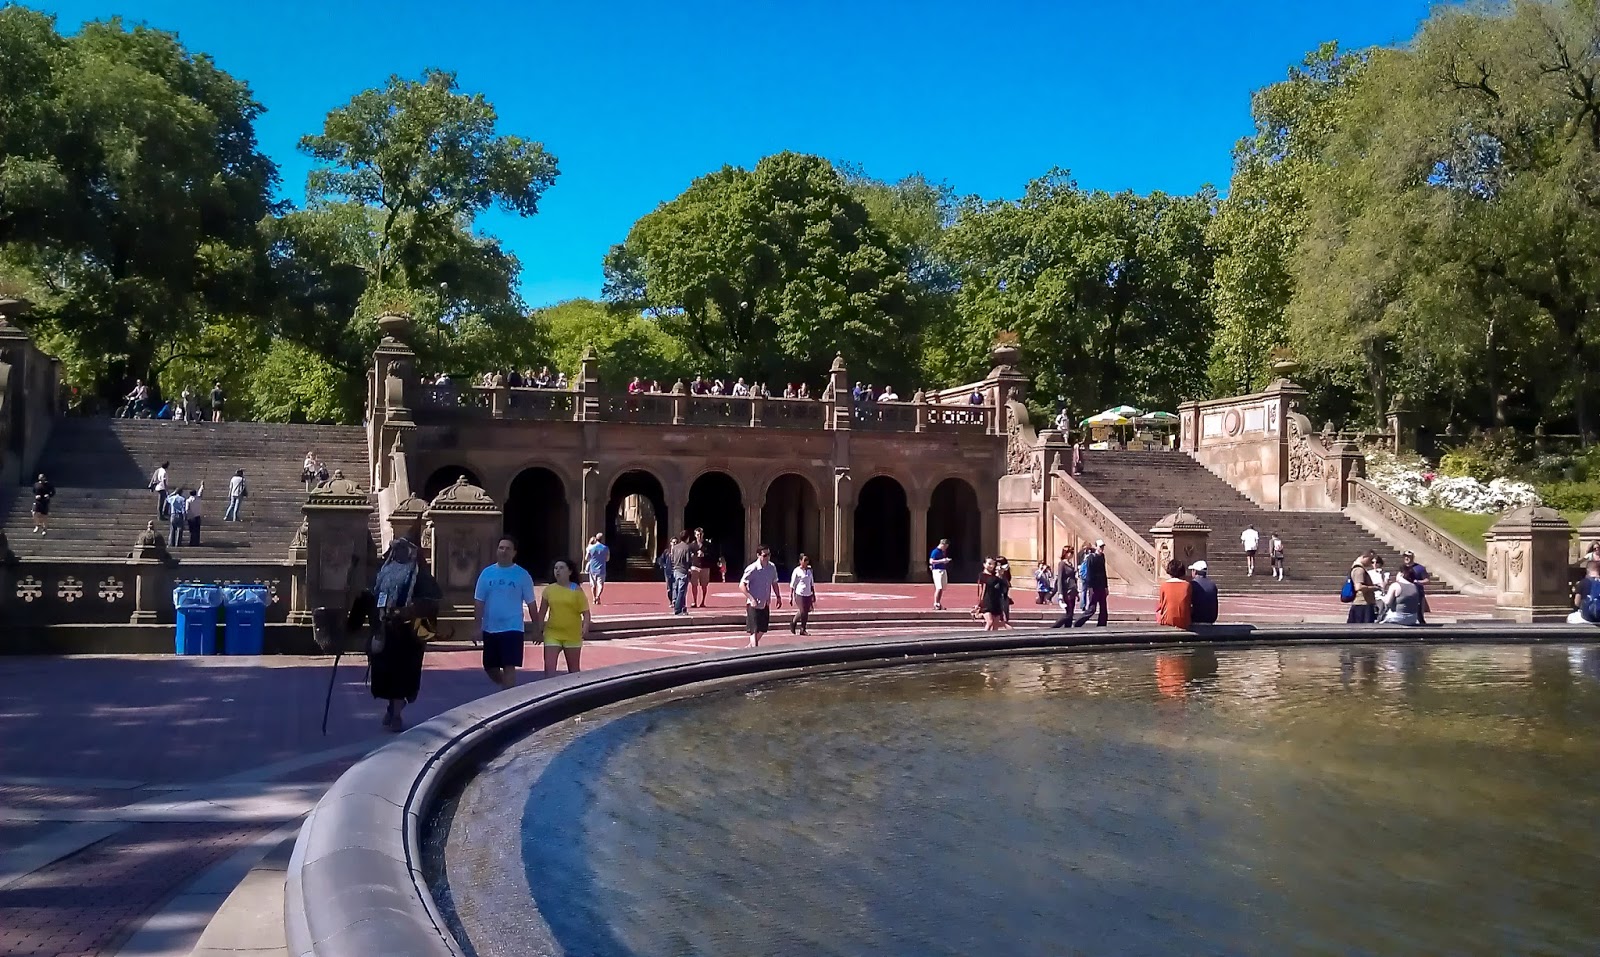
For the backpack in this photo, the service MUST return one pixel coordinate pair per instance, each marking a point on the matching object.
(1347, 594)
(1589, 609)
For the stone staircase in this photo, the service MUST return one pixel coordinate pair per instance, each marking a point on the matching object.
(101, 467)
(1141, 487)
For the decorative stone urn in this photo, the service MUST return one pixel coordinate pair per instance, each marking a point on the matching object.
(395, 326)
(466, 525)
(1528, 564)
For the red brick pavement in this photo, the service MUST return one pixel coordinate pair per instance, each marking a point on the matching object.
(163, 720)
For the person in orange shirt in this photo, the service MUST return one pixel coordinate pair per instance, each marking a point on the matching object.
(1172, 604)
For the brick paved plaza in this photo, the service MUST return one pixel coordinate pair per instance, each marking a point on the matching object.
(135, 791)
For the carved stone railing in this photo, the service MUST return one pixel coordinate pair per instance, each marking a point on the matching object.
(1127, 551)
(122, 591)
(717, 410)
(547, 405)
(1445, 555)
(647, 408)
(794, 413)
(886, 417)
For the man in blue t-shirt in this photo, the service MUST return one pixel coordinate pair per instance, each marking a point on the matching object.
(1587, 599)
(939, 564)
(504, 590)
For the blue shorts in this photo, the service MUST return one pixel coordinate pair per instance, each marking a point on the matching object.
(502, 649)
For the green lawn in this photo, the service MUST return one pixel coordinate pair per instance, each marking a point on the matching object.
(1470, 528)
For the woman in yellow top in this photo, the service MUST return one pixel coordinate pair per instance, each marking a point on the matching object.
(564, 611)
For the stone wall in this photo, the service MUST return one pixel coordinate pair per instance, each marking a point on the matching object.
(1244, 439)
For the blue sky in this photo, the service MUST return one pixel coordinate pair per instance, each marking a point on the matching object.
(638, 98)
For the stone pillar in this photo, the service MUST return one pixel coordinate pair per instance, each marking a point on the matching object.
(588, 387)
(680, 402)
(1009, 382)
(920, 400)
(917, 570)
(1180, 535)
(841, 400)
(591, 504)
(500, 398)
(1402, 425)
(148, 566)
(404, 521)
(466, 526)
(752, 534)
(843, 544)
(1528, 564)
(337, 554)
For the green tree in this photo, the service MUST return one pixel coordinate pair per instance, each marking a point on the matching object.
(1258, 225)
(767, 273)
(1105, 292)
(627, 344)
(131, 190)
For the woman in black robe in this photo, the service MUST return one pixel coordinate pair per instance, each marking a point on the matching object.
(399, 612)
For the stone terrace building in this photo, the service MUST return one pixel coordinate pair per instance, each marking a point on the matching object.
(865, 491)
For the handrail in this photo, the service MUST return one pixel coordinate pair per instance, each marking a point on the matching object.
(1106, 523)
(1398, 517)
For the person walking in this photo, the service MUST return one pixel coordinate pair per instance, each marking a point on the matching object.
(158, 483)
(399, 611)
(1251, 540)
(1083, 576)
(175, 527)
(1174, 607)
(759, 583)
(682, 549)
(43, 492)
(699, 568)
(994, 599)
(504, 590)
(237, 492)
(939, 566)
(1275, 552)
(1095, 586)
(191, 513)
(564, 615)
(216, 400)
(1202, 595)
(595, 560)
(802, 594)
(1066, 582)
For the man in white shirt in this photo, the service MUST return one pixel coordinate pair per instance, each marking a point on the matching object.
(1251, 540)
(759, 583)
(158, 482)
(503, 591)
(889, 395)
(191, 514)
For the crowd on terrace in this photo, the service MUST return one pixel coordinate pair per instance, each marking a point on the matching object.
(700, 386)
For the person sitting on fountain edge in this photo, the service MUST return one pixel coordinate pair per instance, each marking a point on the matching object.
(1202, 595)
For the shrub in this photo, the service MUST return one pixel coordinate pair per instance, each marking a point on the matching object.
(1468, 462)
(1571, 496)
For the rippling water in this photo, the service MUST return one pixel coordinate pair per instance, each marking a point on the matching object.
(1391, 801)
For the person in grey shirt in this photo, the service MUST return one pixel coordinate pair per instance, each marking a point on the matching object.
(678, 557)
(760, 580)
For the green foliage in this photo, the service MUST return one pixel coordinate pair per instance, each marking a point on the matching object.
(1492, 455)
(771, 271)
(626, 345)
(1106, 293)
(291, 383)
(1571, 496)
(130, 191)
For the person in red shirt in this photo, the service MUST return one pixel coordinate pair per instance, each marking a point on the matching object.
(1172, 603)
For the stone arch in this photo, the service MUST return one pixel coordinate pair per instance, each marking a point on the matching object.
(537, 514)
(882, 530)
(955, 512)
(716, 504)
(635, 523)
(791, 519)
(445, 476)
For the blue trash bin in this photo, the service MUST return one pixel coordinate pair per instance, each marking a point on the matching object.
(197, 618)
(244, 611)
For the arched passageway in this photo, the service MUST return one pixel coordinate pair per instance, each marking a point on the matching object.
(882, 531)
(636, 526)
(790, 521)
(716, 505)
(953, 514)
(538, 517)
(443, 478)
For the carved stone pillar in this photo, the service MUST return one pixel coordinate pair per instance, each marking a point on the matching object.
(1528, 564)
(500, 398)
(843, 545)
(752, 535)
(591, 504)
(917, 568)
(404, 521)
(466, 526)
(680, 402)
(336, 532)
(841, 400)
(920, 401)
(588, 387)
(1181, 535)
(149, 566)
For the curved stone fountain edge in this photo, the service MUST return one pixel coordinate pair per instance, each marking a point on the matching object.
(355, 885)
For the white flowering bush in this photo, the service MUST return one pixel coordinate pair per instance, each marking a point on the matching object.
(1410, 480)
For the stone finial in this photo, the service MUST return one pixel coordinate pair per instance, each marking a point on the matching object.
(838, 363)
(399, 445)
(1181, 520)
(150, 544)
(338, 491)
(13, 307)
(678, 388)
(1527, 518)
(589, 355)
(920, 397)
(462, 496)
(395, 325)
(499, 381)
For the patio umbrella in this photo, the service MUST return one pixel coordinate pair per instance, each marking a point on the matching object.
(1158, 418)
(1108, 417)
(1126, 411)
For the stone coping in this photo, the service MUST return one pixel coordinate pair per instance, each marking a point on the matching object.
(355, 884)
